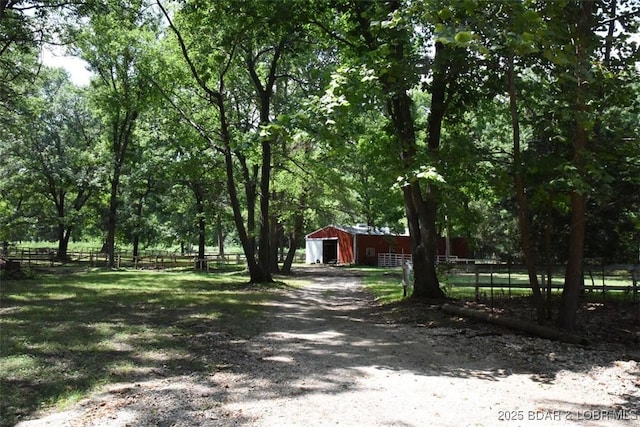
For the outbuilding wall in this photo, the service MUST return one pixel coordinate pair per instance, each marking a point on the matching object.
(458, 247)
(345, 243)
(368, 246)
(313, 252)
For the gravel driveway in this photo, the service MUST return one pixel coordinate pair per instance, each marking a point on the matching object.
(326, 356)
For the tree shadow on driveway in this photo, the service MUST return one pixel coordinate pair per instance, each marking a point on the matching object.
(327, 348)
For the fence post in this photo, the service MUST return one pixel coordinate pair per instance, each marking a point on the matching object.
(491, 283)
(509, 275)
(477, 283)
(604, 286)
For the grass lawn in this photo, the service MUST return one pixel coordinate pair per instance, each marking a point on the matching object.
(384, 284)
(61, 336)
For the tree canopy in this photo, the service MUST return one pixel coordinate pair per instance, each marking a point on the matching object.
(512, 124)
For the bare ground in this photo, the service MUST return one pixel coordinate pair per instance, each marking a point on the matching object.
(328, 355)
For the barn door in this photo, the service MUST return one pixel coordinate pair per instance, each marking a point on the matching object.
(330, 251)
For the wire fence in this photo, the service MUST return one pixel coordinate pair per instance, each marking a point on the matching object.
(507, 279)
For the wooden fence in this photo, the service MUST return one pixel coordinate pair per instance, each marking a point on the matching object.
(32, 257)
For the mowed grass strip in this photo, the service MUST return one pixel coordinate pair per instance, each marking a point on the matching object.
(61, 336)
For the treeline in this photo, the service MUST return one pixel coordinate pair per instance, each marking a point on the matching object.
(512, 124)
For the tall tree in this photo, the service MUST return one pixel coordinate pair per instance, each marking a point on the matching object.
(383, 36)
(198, 169)
(582, 36)
(239, 70)
(116, 43)
(56, 144)
(511, 29)
(147, 180)
(579, 80)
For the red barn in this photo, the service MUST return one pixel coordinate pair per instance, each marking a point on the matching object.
(356, 245)
(458, 248)
(364, 246)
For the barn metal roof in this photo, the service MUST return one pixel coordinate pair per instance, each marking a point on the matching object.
(361, 229)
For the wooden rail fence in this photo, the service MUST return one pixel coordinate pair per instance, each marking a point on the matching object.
(32, 257)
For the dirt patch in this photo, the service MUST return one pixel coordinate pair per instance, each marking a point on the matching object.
(328, 355)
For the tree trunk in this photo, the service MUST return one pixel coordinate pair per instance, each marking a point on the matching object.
(420, 211)
(220, 236)
(521, 197)
(574, 278)
(548, 230)
(136, 247)
(265, 92)
(59, 200)
(275, 244)
(428, 286)
(294, 238)
(256, 273)
(112, 220)
(136, 232)
(121, 138)
(249, 176)
(430, 239)
(64, 234)
(62, 248)
(515, 323)
(264, 245)
(200, 263)
(290, 255)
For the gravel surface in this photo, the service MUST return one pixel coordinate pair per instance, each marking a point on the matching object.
(328, 355)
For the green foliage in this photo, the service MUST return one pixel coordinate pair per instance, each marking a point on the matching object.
(426, 173)
(54, 157)
(335, 153)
